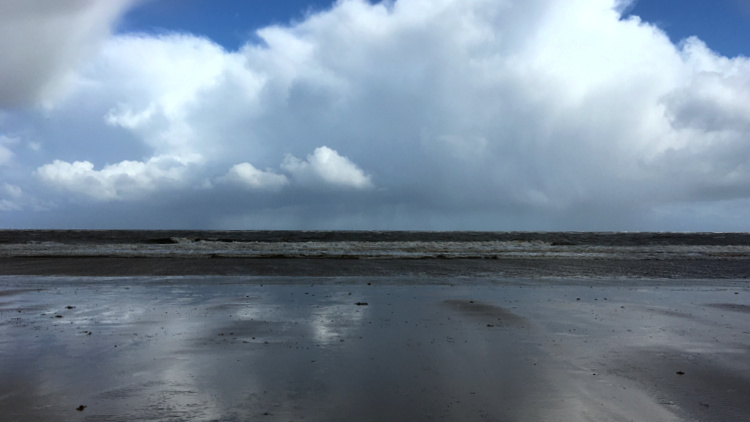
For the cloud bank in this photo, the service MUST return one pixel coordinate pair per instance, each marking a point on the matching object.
(447, 114)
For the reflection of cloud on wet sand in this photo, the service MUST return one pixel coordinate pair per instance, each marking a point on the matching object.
(228, 349)
(335, 322)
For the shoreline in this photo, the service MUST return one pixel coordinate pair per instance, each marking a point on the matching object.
(672, 268)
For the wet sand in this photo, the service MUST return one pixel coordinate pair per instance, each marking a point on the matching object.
(679, 268)
(429, 343)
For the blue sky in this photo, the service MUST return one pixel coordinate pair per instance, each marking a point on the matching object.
(228, 22)
(723, 24)
(417, 114)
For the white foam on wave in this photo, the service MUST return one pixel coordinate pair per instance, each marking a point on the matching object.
(184, 247)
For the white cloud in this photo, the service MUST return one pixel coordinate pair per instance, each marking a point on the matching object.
(10, 197)
(158, 83)
(124, 180)
(13, 199)
(5, 153)
(247, 175)
(717, 98)
(325, 166)
(477, 113)
(42, 42)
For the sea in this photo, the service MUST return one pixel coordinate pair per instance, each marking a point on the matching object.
(388, 253)
(371, 244)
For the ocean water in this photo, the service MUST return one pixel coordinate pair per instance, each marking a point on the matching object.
(372, 244)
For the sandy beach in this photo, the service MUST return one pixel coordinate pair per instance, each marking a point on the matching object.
(319, 326)
(373, 348)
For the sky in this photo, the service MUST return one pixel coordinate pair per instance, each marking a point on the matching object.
(406, 114)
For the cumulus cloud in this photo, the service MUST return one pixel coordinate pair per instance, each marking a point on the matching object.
(543, 114)
(326, 166)
(716, 98)
(247, 175)
(124, 180)
(159, 84)
(43, 41)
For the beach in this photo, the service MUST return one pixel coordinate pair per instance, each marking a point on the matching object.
(545, 336)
